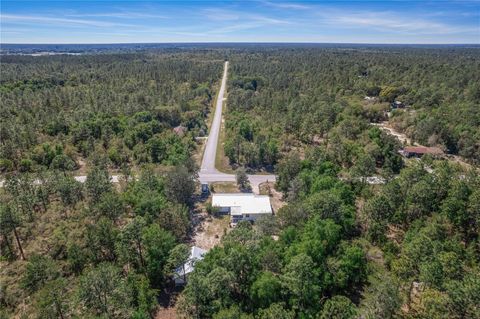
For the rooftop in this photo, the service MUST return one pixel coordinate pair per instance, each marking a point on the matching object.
(180, 130)
(243, 203)
(423, 150)
(196, 253)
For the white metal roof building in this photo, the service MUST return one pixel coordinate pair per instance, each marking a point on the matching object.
(196, 253)
(242, 206)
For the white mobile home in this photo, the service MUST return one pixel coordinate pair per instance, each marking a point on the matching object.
(242, 206)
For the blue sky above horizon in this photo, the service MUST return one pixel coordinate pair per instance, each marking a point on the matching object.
(240, 21)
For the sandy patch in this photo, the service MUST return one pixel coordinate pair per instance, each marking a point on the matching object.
(276, 197)
(210, 230)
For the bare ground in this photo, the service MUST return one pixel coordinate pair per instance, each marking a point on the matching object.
(210, 230)
(166, 313)
(276, 198)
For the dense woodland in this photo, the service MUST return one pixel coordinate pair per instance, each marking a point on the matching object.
(57, 110)
(66, 244)
(339, 248)
(280, 97)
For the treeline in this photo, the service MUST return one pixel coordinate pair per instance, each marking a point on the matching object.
(123, 105)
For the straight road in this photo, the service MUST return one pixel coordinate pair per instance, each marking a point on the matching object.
(80, 178)
(209, 155)
(208, 172)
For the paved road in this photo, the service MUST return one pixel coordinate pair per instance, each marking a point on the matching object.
(208, 172)
(208, 160)
(80, 178)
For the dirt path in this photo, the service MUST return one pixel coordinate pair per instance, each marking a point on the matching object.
(390, 130)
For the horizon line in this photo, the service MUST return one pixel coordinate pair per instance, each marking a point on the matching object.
(233, 42)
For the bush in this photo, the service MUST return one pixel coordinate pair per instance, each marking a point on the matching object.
(212, 210)
(25, 165)
(6, 165)
(40, 269)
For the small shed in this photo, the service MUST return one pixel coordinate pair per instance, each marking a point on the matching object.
(180, 130)
(181, 273)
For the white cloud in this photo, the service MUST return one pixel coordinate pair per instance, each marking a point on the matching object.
(56, 21)
(268, 20)
(240, 20)
(257, 21)
(286, 5)
(235, 28)
(388, 21)
(221, 15)
(119, 15)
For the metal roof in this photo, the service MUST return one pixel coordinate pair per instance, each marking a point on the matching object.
(196, 253)
(423, 150)
(243, 203)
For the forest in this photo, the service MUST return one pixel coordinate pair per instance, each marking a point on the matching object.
(338, 248)
(280, 97)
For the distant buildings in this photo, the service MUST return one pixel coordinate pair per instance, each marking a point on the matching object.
(242, 206)
(419, 151)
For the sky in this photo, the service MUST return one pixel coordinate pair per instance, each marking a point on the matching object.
(75, 21)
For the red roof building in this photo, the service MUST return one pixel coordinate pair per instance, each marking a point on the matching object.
(419, 151)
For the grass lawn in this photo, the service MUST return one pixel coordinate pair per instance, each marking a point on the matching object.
(225, 187)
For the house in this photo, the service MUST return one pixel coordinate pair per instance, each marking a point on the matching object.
(181, 273)
(180, 130)
(419, 151)
(242, 206)
(397, 105)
